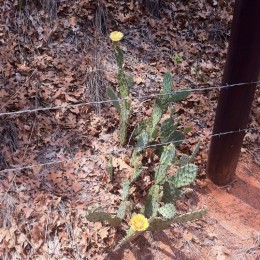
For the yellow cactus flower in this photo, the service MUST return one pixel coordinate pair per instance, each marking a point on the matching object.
(116, 36)
(139, 222)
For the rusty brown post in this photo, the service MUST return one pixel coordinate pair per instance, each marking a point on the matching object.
(234, 104)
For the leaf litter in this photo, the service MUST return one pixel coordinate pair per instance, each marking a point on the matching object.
(44, 62)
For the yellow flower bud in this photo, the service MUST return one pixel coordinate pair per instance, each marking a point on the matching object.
(116, 36)
(139, 222)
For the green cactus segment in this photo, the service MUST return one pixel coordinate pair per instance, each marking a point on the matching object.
(110, 168)
(169, 132)
(165, 162)
(97, 216)
(167, 83)
(112, 95)
(159, 224)
(123, 132)
(135, 158)
(123, 84)
(167, 155)
(126, 186)
(130, 81)
(167, 211)
(170, 193)
(195, 152)
(184, 176)
(124, 118)
(124, 107)
(142, 141)
(122, 210)
(157, 112)
(137, 172)
(176, 137)
(142, 126)
(130, 235)
(152, 202)
(167, 129)
(153, 133)
(136, 162)
(119, 57)
(184, 159)
(180, 95)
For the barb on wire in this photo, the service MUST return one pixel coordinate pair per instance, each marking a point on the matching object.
(121, 99)
(118, 152)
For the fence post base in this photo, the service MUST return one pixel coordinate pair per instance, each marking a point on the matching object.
(234, 105)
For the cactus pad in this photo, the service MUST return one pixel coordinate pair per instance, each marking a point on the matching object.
(167, 211)
(159, 224)
(170, 193)
(157, 112)
(184, 176)
(122, 210)
(125, 187)
(152, 202)
(130, 235)
(167, 83)
(179, 96)
(165, 162)
(99, 216)
(119, 57)
(142, 141)
(112, 95)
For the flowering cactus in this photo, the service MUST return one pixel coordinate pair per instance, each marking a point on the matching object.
(124, 106)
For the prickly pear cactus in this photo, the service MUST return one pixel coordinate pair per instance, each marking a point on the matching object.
(167, 129)
(126, 186)
(152, 202)
(130, 235)
(165, 162)
(124, 120)
(184, 176)
(119, 57)
(123, 84)
(113, 96)
(180, 95)
(124, 106)
(142, 141)
(167, 83)
(171, 193)
(169, 132)
(157, 112)
(122, 210)
(167, 211)
(158, 224)
(99, 216)
(136, 162)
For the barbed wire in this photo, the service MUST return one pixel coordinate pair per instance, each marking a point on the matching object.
(144, 97)
(118, 152)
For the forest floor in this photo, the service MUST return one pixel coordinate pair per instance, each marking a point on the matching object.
(53, 56)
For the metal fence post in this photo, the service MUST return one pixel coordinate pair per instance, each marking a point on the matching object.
(234, 104)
